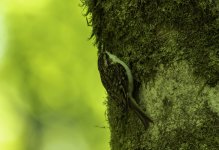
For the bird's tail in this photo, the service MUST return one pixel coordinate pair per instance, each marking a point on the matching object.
(140, 113)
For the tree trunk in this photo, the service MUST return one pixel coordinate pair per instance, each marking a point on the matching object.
(172, 49)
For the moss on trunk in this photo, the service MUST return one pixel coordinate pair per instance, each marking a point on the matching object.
(172, 48)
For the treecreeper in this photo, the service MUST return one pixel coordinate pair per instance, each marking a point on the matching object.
(117, 79)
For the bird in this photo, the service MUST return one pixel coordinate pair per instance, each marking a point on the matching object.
(117, 79)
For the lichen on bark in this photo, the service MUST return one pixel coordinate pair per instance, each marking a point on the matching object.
(172, 49)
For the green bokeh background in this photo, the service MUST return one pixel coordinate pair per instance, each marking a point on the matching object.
(51, 97)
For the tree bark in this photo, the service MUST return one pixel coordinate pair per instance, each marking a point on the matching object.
(172, 49)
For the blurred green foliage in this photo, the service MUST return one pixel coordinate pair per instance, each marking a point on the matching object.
(51, 97)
